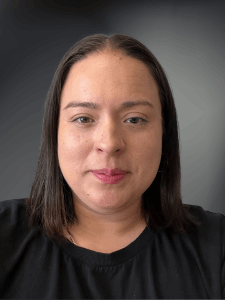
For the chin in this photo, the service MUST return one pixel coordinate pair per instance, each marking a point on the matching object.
(105, 204)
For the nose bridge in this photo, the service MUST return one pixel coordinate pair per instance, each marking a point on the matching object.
(110, 139)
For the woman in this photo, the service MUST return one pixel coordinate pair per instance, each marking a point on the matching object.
(105, 214)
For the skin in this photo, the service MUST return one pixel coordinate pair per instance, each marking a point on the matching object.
(109, 215)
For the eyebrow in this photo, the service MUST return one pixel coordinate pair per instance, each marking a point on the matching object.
(92, 105)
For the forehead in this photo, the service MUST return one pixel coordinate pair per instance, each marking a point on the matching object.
(109, 76)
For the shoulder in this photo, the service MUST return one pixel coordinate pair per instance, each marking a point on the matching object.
(206, 218)
(16, 235)
(7, 204)
(13, 217)
(210, 231)
(12, 209)
(200, 212)
(209, 240)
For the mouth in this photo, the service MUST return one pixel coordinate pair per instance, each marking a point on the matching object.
(110, 172)
(109, 179)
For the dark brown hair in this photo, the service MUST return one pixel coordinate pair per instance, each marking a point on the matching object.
(50, 203)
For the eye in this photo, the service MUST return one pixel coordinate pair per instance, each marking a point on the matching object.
(133, 120)
(136, 120)
(83, 120)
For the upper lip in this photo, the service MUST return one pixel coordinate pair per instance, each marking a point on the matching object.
(110, 172)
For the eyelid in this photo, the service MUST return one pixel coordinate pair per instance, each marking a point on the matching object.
(136, 115)
(82, 117)
(90, 120)
(140, 118)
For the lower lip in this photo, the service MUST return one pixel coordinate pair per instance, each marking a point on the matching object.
(109, 179)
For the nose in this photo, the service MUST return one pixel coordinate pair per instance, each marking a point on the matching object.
(110, 139)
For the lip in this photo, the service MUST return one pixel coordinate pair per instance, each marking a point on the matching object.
(109, 179)
(110, 172)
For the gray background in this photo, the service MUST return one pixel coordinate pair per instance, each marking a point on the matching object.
(187, 37)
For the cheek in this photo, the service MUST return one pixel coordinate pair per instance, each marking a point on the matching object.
(148, 154)
(150, 145)
(72, 150)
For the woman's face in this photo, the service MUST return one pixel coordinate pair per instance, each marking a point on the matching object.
(110, 118)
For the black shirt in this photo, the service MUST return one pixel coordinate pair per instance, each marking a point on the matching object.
(156, 265)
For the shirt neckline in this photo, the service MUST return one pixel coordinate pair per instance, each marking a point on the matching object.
(109, 259)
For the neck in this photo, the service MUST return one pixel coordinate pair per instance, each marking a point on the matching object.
(108, 230)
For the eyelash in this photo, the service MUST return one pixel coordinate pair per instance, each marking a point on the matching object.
(142, 120)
